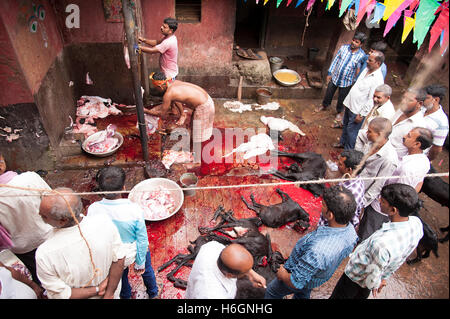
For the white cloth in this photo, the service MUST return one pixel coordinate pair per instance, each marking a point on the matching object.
(360, 98)
(11, 288)
(206, 281)
(415, 164)
(19, 215)
(402, 128)
(63, 260)
(386, 110)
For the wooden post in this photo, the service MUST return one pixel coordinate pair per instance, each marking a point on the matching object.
(129, 26)
(239, 92)
(144, 64)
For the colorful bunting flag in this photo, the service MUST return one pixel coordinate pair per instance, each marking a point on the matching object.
(440, 28)
(265, 1)
(408, 25)
(424, 19)
(344, 6)
(393, 18)
(329, 4)
(391, 7)
(365, 6)
(289, 2)
(299, 2)
(379, 11)
(278, 2)
(310, 4)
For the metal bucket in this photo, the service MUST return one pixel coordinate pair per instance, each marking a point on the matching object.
(263, 96)
(275, 63)
(188, 180)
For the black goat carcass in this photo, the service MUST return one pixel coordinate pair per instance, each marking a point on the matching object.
(438, 190)
(309, 166)
(427, 244)
(280, 214)
(266, 261)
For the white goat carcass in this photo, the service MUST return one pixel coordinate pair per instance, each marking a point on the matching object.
(257, 145)
(277, 124)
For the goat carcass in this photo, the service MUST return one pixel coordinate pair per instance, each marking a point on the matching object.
(259, 144)
(246, 233)
(277, 124)
(312, 167)
(280, 214)
(428, 243)
(437, 189)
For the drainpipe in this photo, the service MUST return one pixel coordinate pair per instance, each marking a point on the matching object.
(129, 25)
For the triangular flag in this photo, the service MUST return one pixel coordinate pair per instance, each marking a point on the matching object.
(391, 7)
(257, 1)
(299, 2)
(329, 4)
(393, 18)
(310, 4)
(440, 27)
(265, 1)
(289, 2)
(379, 11)
(424, 19)
(408, 25)
(278, 2)
(361, 10)
(344, 5)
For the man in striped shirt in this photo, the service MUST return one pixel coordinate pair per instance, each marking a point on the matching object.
(342, 73)
(380, 255)
(317, 255)
(435, 118)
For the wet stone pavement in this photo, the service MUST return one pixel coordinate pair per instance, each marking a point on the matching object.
(428, 279)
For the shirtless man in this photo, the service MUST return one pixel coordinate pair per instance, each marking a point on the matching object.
(183, 94)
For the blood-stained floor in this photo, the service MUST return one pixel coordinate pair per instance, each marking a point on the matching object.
(427, 279)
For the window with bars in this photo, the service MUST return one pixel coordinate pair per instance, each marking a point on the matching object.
(188, 11)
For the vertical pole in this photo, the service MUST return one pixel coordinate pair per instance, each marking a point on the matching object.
(129, 26)
(144, 66)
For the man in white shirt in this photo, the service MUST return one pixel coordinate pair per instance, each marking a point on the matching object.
(407, 117)
(19, 215)
(382, 105)
(435, 118)
(359, 101)
(78, 261)
(216, 269)
(411, 171)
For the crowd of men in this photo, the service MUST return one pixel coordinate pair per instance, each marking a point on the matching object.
(371, 221)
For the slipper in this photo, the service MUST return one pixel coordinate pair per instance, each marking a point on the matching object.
(338, 118)
(337, 124)
(337, 145)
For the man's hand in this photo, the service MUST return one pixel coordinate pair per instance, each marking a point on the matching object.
(328, 79)
(256, 279)
(358, 119)
(138, 272)
(375, 291)
(102, 287)
(141, 39)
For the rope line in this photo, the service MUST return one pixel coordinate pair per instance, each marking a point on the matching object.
(318, 181)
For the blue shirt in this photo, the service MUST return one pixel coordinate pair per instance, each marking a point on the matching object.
(317, 255)
(129, 220)
(383, 67)
(344, 65)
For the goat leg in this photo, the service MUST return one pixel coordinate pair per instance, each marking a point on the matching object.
(251, 207)
(281, 175)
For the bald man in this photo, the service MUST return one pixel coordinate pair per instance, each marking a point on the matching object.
(216, 269)
(63, 261)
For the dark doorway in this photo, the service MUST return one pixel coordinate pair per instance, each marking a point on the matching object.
(250, 24)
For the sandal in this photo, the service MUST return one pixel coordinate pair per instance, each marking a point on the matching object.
(337, 145)
(337, 124)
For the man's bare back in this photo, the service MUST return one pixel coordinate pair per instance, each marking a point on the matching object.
(179, 92)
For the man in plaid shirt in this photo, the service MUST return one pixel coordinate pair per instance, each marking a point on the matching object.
(342, 73)
(347, 163)
(380, 255)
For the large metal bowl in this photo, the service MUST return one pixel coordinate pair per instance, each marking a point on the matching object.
(104, 154)
(287, 71)
(147, 185)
